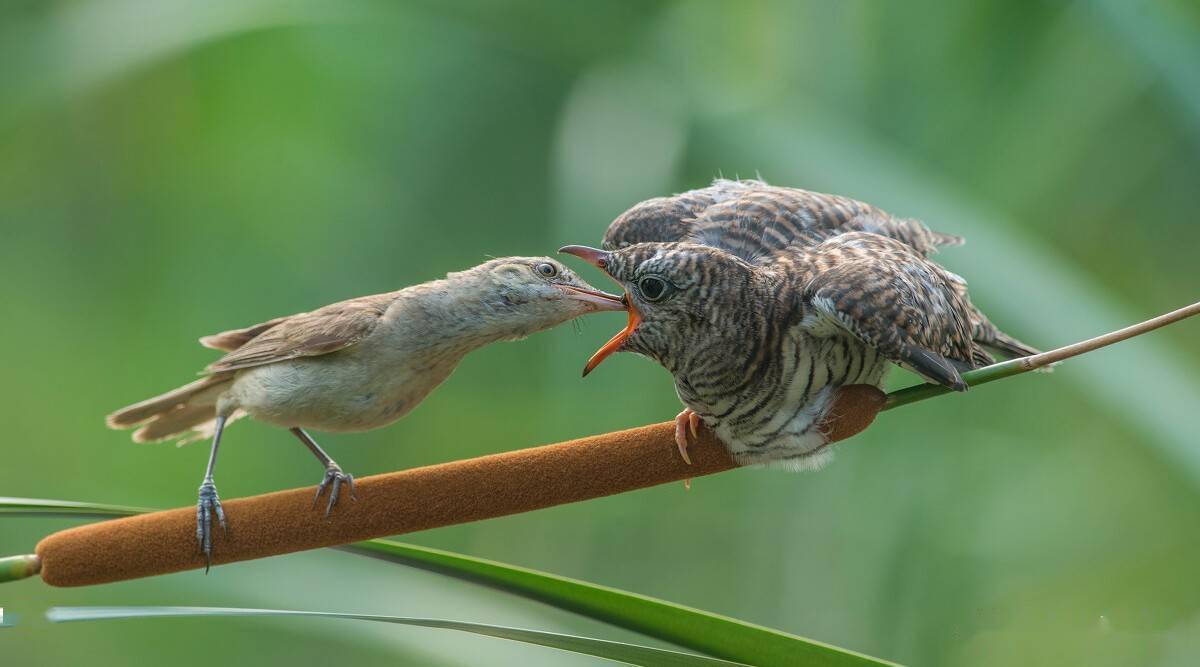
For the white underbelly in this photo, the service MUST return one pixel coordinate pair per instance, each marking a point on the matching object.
(333, 394)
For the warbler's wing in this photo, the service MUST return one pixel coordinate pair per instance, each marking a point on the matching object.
(329, 329)
(228, 341)
(893, 299)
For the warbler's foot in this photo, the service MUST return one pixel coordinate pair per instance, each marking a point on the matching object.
(685, 421)
(207, 508)
(334, 478)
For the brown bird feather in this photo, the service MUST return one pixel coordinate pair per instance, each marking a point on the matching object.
(328, 329)
(228, 341)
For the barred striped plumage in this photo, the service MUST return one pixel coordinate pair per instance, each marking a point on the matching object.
(772, 297)
(749, 218)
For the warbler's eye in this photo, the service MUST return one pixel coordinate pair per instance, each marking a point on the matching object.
(652, 288)
(547, 269)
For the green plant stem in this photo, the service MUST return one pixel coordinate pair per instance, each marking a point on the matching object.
(66, 509)
(18, 567)
(1045, 359)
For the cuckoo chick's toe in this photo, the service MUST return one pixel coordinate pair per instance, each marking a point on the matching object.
(686, 421)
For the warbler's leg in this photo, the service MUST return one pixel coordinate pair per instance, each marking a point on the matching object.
(209, 505)
(334, 477)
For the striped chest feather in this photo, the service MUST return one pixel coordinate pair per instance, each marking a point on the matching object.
(772, 415)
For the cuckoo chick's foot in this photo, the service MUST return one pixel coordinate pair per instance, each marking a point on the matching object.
(334, 479)
(685, 421)
(208, 508)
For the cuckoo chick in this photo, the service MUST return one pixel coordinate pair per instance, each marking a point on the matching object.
(762, 300)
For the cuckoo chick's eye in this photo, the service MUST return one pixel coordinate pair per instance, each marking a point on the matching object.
(652, 288)
(546, 269)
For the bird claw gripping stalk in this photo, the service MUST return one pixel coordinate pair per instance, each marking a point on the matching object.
(334, 478)
(208, 507)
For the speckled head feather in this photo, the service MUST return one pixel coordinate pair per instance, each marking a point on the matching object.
(692, 300)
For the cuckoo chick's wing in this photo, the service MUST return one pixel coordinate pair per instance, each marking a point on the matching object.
(753, 220)
(893, 299)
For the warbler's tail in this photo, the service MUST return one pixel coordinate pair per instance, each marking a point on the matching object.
(187, 411)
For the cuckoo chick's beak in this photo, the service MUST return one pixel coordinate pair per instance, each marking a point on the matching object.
(594, 256)
(599, 259)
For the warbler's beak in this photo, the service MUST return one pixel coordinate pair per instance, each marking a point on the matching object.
(594, 256)
(595, 298)
(599, 259)
(615, 343)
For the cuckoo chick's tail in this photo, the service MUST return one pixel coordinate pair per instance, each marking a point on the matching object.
(990, 336)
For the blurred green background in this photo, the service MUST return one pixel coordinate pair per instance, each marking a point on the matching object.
(173, 169)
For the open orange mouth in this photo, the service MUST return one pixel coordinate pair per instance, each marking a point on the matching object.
(618, 341)
(599, 259)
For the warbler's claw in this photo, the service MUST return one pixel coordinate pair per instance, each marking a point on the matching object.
(208, 506)
(334, 478)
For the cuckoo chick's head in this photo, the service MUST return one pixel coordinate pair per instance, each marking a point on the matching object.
(682, 298)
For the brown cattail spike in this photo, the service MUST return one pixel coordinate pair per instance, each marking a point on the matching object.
(405, 501)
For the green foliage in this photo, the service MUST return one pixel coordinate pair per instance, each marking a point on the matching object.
(616, 651)
(695, 629)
